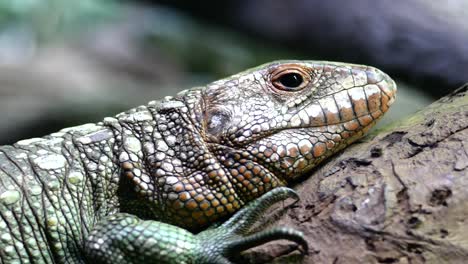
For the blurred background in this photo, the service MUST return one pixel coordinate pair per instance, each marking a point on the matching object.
(68, 62)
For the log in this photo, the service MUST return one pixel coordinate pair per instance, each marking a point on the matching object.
(398, 196)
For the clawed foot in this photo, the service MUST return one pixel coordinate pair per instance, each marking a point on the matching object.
(232, 237)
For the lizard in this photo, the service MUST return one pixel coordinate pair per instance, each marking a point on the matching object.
(155, 183)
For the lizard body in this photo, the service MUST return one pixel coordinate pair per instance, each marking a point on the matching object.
(133, 187)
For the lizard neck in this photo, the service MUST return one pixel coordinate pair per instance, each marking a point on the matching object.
(96, 146)
(167, 171)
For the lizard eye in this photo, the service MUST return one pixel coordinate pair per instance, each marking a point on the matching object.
(289, 80)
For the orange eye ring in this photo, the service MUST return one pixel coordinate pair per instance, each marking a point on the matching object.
(290, 79)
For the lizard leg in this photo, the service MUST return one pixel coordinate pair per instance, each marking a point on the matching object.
(124, 238)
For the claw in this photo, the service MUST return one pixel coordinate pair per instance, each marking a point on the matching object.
(231, 237)
(269, 235)
(248, 216)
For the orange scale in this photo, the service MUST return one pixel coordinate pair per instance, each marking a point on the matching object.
(242, 169)
(184, 196)
(256, 170)
(178, 187)
(212, 174)
(224, 200)
(345, 134)
(240, 178)
(199, 198)
(332, 118)
(377, 114)
(293, 150)
(360, 107)
(365, 120)
(347, 113)
(260, 189)
(300, 164)
(373, 102)
(305, 148)
(127, 165)
(177, 205)
(204, 205)
(210, 212)
(336, 138)
(229, 207)
(352, 125)
(384, 103)
(191, 205)
(245, 183)
(319, 149)
(214, 203)
(197, 215)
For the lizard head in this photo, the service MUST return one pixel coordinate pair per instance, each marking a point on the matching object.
(274, 123)
(218, 147)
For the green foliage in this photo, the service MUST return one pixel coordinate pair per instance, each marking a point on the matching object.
(52, 18)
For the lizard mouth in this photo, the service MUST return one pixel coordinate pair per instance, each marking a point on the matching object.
(280, 159)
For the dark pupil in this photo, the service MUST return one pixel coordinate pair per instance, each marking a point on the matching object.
(291, 80)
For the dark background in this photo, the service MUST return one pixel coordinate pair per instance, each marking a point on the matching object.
(64, 63)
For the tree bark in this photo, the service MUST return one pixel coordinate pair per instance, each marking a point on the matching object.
(398, 196)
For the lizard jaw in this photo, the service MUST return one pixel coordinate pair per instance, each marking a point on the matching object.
(292, 152)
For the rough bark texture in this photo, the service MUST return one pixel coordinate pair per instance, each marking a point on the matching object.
(400, 196)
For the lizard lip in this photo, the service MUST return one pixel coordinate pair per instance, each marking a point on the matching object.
(284, 175)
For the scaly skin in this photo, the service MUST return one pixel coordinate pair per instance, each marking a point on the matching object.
(133, 187)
